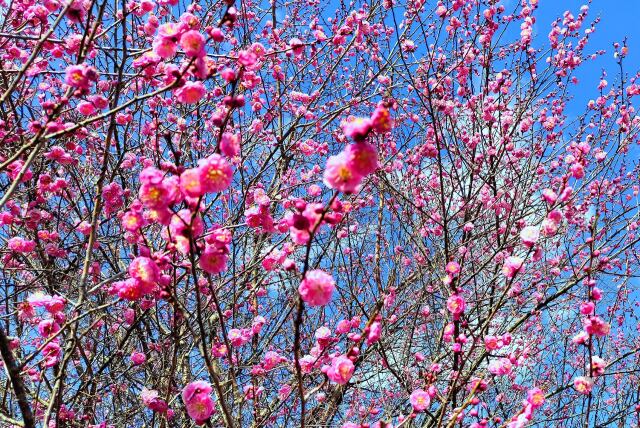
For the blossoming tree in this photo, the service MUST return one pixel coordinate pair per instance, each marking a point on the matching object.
(306, 213)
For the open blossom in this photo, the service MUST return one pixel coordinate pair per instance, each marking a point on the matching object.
(598, 365)
(151, 399)
(358, 128)
(341, 370)
(452, 268)
(500, 367)
(215, 173)
(21, 245)
(238, 337)
(191, 92)
(583, 384)
(165, 47)
(362, 158)
(456, 305)
(323, 336)
(53, 304)
(381, 120)
(48, 327)
(190, 183)
(535, 397)
(271, 360)
(197, 399)
(581, 338)
(512, 265)
(132, 289)
(230, 144)
(132, 221)
(80, 76)
(157, 191)
(192, 43)
(145, 270)
(529, 236)
(340, 175)
(420, 400)
(587, 308)
(375, 331)
(317, 287)
(297, 46)
(596, 326)
(549, 196)
(214, 259)
(51, 353)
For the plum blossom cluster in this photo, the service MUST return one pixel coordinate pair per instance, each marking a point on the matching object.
(48, 327)
(258, 213)
(345, 171)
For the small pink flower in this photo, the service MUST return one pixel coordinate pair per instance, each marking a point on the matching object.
(48, 327)
(150, 398)
(190, 183)
(452, 268)
(132, 221)
(85, 108)
(138, 358)
(375, 331)
(197, 399)
(529, 236)
(192, 43)
(156, 191)
(297, 46)
(535, 397)
(512, 265)
(381, 120)
(213, 259)
(271, 360)
(80, 76)
(549, 196)
(420, 400)
(583, 384)
(491, 343)
(500, 367)
(586, 308)
(358, 128)
(596, 326)
(598, 365)
(145, 270)
(343, 327)
(317, 287)
(53, 304)
(456, 305)
(190, 93)
(341, 370)
(21, 245)
(228, 74)
(230, 144)
(323, 336)
(581, 338)
(577, 170)
(164, 47)
(247, 59)
(340, 175)
(215, 173)
(219, 350)
(362, 158)
(51, 353)
(131, 289)
(238, 337)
